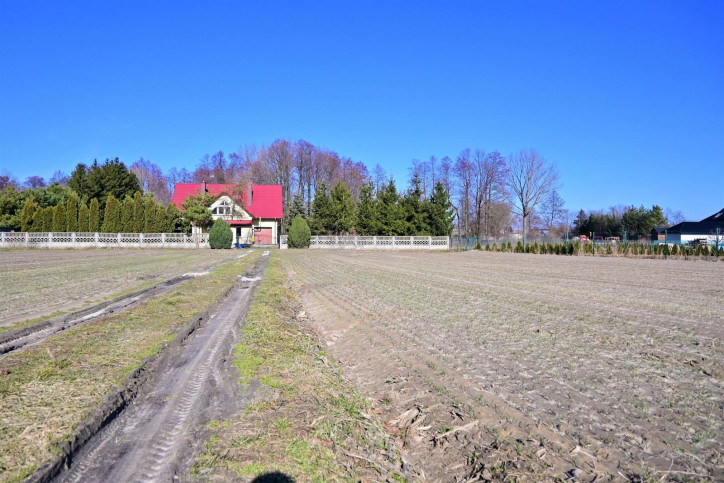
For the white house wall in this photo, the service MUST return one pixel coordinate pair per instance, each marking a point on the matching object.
(267, 223)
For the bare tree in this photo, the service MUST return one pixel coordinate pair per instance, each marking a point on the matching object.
(379, 177)
(152, 180)
(552, 210)
(304, 163)
(7, 179)
(176, 176)
(479, 188)
(34, 182)
(445, 172)
(496, 192)
(674, 216)
(59, 177)
(463, 170)
(530, 178)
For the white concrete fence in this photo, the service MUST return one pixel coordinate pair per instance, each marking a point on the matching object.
(98, 240)
(376, 242)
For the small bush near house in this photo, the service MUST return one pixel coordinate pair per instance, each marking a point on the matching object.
(220, 235)
(299, 233)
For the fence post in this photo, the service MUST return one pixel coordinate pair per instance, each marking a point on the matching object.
(95, 239)
(72, 239)
(50, 238)
(163, 240)
(393, 242)
(140, 240)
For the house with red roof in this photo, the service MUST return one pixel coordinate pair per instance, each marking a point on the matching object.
(254, 213)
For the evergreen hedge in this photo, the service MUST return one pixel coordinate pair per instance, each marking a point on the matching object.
(220, 235)
(299, 233)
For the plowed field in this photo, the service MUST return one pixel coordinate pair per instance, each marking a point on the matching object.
(492, 365)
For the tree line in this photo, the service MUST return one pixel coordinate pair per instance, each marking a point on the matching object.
(383, 212)
(137, 214)
(629, 222)
(490, 194)
(89, 202)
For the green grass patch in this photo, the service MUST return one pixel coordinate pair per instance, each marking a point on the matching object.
(48, 389)
(306, 420)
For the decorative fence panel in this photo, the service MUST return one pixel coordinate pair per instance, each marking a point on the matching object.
(376, 242)
(98, 240)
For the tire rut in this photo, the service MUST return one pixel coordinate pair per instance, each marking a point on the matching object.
(15, 340)
(153, 438)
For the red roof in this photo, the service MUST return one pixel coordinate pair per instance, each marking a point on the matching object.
(266, 199)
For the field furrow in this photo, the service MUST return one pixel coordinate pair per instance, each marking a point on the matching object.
(618, 360)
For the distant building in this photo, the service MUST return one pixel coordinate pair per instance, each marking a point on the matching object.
(688, 231)
(254, 215)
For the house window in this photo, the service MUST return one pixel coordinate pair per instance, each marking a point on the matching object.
(224, 208)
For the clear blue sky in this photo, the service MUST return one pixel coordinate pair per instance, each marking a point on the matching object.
(626, 98)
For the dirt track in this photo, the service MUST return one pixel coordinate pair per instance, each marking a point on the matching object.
(154, 437)
(531, 367)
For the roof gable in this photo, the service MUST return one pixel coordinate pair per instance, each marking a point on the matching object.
(266, 200)
(716, 216)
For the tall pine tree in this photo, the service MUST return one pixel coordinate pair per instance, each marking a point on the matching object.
(48, 218)
(59, 221)
(83, 218)
(172, 216)
(440, 213)
(94, 216)
(127, 215)
(72, 213)
(391, 214)
(112, 216)
(322, 221)
(138, 217)
(149, 214)
(159, 222)
(38, 220)
(26, 214)
(414, 207)
(366, 222)
(342, 209)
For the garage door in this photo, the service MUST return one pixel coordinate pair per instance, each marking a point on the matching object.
(262, 236)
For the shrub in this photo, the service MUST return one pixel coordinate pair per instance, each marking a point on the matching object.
(478, 246)
(519, 247)
(299, 233)
(220, 235)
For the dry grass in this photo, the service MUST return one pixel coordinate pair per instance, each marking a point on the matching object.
(37, 282)
(47, 390)
(619, 358)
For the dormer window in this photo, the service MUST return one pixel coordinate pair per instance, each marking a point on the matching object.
(223, 208)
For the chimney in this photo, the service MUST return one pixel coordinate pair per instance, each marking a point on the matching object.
(203, 187)
(249, 194)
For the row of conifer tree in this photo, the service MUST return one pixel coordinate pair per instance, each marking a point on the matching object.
(140, 214)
